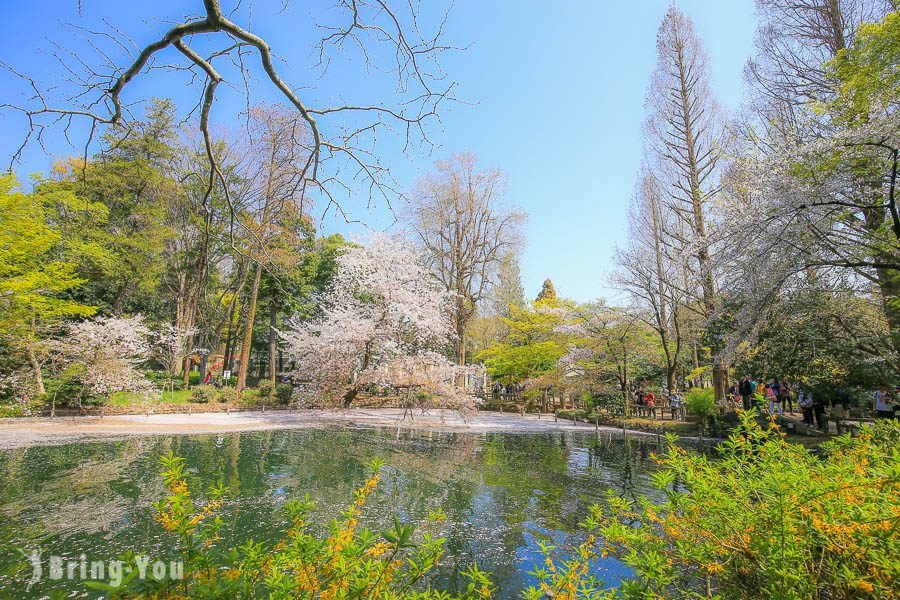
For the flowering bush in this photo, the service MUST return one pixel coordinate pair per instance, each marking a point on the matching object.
(766, 519)
(341, 561)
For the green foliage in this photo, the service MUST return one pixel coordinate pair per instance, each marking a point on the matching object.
(266, 389)
(202, 394)
(570, 414)
(341, 560)
(284, 393)
(821, 340)
(610, 400)
(228, 395)
(251, 399)
(35, 273)
(765, 519)
(547, 293)
(509, 291)
(867, 73)
(530, 348)
(701, 402)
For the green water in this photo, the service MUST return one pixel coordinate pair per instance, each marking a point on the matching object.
(502, 493)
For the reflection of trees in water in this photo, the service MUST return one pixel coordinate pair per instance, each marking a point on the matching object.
(50, 490)
(624, 463)
(501, 492)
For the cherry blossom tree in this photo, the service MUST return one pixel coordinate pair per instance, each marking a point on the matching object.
(104, 355)
(384, 323)
(811, 202)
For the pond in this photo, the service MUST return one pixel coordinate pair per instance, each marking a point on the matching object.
(503, 494)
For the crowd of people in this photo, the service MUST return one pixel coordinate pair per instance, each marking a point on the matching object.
(778, 397)
(668, 399)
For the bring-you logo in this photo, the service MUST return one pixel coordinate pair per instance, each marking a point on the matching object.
(110, 572)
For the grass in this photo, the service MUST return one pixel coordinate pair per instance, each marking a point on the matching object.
(167, 397)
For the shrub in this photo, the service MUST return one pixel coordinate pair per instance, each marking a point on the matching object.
(611, 400)
(24, 407)
(202, 394)
(69, 392)
(701, 402)
(533, 398)
(766, 519)
(266, 389)
(228, 395)
(571, 413)
(283, 393)
(341, 560)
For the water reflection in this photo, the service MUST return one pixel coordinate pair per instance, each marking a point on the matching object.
(503, 494)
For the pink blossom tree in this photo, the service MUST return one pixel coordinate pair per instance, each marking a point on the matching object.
(384, 322)
(104, 355)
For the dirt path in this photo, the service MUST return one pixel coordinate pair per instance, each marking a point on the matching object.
(15, 433)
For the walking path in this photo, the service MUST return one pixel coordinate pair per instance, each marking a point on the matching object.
(37, 431)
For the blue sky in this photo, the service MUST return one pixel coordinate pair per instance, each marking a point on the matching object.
(554, 97)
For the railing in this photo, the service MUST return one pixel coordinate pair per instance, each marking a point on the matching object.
(162, 409)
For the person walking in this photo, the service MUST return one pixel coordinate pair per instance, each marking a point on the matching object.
(774, 401)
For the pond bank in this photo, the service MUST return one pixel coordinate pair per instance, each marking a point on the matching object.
(41, 431)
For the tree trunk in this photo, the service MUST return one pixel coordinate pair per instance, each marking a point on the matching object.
(226, 361)
(460, 335)
(248, 332)
(36, 370)
(889, 285)
(273, 340)
(720, 380)
(695, 362)
(119, 303)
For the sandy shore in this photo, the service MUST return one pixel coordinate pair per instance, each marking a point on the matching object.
(16, 433)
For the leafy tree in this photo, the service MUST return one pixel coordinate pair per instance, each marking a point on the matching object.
(611, 345)
(304, 269)
(36, 274)
(548, 292)
(531, 347)
(508, 291)
(823, 340)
